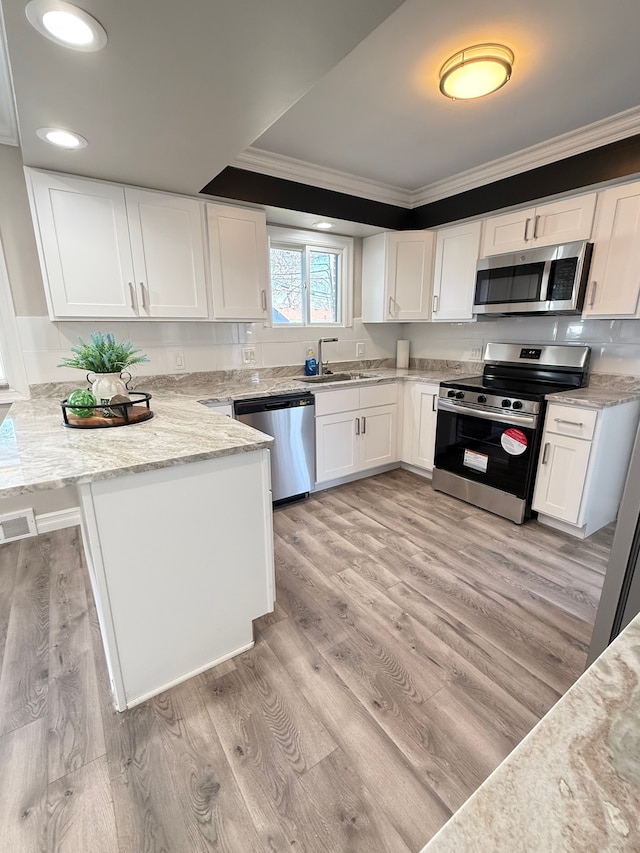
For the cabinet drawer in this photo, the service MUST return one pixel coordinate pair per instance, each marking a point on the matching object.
(378, 395)
(570, 420)
(341, 400)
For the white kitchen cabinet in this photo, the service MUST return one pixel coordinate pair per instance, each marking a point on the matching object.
(239, 262)
(113, 251)
(419, 424)
(356, 430)
(454, 276)
(614, 282)
(557, 222)
(397, 272)
(583, 465)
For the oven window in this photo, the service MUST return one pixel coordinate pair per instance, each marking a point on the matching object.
(522, 283)
(485, 451)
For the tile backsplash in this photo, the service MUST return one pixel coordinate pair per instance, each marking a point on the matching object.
(219, 346)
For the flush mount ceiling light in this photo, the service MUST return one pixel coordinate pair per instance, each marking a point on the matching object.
(61, 138)
(323, 226)
(66, 24)
(476, 71)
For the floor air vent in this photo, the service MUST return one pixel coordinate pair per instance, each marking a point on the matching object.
(17, 525)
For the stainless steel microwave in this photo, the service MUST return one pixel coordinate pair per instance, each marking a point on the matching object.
(547, 280)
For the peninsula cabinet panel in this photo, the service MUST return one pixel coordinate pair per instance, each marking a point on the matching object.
(113, 251)
(239, 262)
(557, 222)
(614, 283)
(419, 427)
(82, 232)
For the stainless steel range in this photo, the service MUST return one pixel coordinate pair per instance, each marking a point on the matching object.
(489, 427)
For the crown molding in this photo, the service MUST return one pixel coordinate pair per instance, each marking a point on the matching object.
(603, 132)
(291, 169)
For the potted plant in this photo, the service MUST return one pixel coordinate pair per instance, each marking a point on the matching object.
(106, 358)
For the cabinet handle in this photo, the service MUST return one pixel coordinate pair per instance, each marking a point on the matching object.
(526, 228)
(391, 305)
(364, 425)
(535, 227)
(263, 297)
(357, 426)
(132, 296)
(435, 304)
(545, 453)
(142, 296)
(592, 299)
(571, 423)
(434, 408)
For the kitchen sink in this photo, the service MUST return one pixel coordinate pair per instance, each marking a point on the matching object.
(336, 377)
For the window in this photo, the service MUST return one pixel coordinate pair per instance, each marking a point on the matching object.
(13, 378)
(310, 278)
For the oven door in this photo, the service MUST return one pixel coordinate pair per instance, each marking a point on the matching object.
(496, 449)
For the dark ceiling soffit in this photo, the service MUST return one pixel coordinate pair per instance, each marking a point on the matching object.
(616, 160)
(243, 185)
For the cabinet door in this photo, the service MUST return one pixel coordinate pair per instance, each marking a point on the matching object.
(425, 405)
(454, 274)
(561, 477)
(337, 446)
(614, 285)
(408, 275)
(378, 436)
(239, 257)
(83, 242)
(168, 254)
(563, 221)
(507, 233)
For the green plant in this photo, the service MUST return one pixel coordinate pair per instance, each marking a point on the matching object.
(103, 355)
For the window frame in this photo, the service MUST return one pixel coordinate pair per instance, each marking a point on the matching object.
(297, 238)
(10, 346)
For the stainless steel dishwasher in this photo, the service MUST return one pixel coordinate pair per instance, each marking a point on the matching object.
(289, 418)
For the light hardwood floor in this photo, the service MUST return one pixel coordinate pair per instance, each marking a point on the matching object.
(414, 643)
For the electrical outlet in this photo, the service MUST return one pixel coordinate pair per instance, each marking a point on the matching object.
(248, 355)
(360, 349)
(177, 361)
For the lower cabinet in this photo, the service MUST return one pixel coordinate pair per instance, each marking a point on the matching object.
(419, 425)
(356, 430)
(583, 465)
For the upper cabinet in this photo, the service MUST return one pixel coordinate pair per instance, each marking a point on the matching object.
(614, 283)
(454, 273)
(112, 251)
(239, 258)
(558, 222)
(396, 276)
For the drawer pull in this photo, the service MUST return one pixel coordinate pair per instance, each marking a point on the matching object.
(545, 453)
(571, 423)
(357, 426)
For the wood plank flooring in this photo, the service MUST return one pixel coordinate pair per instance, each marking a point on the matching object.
(414, 643)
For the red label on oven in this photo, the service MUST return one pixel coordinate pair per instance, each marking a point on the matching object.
(514, 441)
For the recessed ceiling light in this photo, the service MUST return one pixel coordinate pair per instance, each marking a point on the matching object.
(323, 226)
(66, 24)
(61, 138)
(476, 71)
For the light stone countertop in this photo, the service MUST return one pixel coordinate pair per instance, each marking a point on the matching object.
(573, 784)
(594, 397)
(37, 452)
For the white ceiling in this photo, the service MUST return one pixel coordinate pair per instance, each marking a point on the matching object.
(183, 89)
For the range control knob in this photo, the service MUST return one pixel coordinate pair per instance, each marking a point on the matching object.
(451, 393)
(482, 399)
(506, 404)
(517, 404)
(459, 395)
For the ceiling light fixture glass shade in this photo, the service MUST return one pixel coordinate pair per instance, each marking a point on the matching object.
(476, 71)
(61, 138)
(66, 24)
(323, 226)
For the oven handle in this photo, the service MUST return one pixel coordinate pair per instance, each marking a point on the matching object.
(483, 414)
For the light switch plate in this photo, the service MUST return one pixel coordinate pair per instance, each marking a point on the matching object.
(176, 361)
(248, 355)
(360, 349)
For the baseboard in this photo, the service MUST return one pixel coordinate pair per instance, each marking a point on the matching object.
(360, 475)
(48, 521)
(421, 472)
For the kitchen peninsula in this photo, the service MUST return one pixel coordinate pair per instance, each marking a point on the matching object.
(177, 528)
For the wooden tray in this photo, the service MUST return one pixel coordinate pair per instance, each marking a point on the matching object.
(135, 411)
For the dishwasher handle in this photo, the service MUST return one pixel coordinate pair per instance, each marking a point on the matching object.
(271, 403)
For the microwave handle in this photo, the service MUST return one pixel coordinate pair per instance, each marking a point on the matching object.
(545, 284)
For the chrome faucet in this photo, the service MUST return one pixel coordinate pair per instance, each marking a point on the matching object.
(321, 368)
